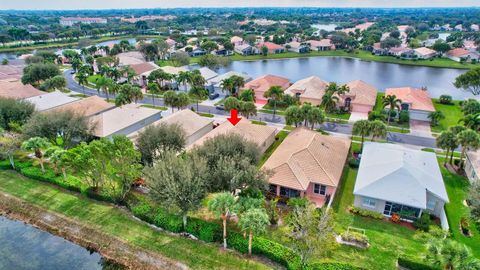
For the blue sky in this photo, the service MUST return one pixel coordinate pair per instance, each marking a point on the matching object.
(105, 4)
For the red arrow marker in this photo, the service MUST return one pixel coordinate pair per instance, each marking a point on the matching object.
(234, 117)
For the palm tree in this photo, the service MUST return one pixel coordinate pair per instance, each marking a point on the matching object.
(55, 155)
(315, 116)
(378, 129)
(182, 100)
(196, 79)
(183, 78)
(128, 72)
(82, 77)
(435, 117)
(274, 93)
(363, 129)
(153, 89)
(468, 140)
(199, 93)
(127, 94)
(448, 142)
(306, 108)
(238, 82)
(37, 145)
(393, 103)
(228, 86)
(247, 109)
(102, 84)
(170, 98)
(247, 95)
(253, 221)
(329, 102)
(450, 255)
(294, 115)
(222, 205)
(471, 121)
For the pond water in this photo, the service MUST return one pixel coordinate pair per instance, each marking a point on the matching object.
(116, 41)
(342, 70)
(25, 247)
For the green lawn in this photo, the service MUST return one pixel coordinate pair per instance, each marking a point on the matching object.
(161, 108)
(114, 221)
(93, 79)
(278, 140)
(452, 114)
(209, 115)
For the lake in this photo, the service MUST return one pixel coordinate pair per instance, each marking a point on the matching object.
(25, 247)
(342, 70)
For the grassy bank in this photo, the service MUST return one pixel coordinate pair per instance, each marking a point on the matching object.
(117, 222)
(453, 113)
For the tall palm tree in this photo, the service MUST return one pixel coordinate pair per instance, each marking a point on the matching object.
(228, 86)
(315, 116)
(329, 102)
(153, 89)
(222, 205)
(128, 72)
(238, 82)
(170, 98)
(392, 102)
(468, 140)
(247, 109)
(448, 142)
(294, 115)
(82, 77)
(183, 78)
(306, 108)
(247, 95)
(362, 128)
(199, 93)
(378, 129)
(102, 84)
(471, 121)
(274, 93)
(196, 79)
(435, 117)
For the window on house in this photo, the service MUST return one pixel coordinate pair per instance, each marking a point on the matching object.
(319, 189)
(431, 204)
(289, 193)
(369, 202)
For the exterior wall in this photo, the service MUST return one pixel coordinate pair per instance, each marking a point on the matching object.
(197, 135)
(379, 206)
(138, 125)
(269, 141)
(419, 115)
(470, 170)
(438, 207)
(361, 108)
(313, 101)
(318, 199)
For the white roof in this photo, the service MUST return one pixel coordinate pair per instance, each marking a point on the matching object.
(207, 73)
(51, 100)
(217, 80)
(401, 175)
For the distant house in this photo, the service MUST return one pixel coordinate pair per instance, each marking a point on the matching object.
(361, 97)
(378, 50)
(221, 51)
(460, 54)
(474, 27)
(245, 49)
(130, 58)
(393, 179)
(236, 40)
(173, 70)
(197, 51)
(472, 166)
(123, 120)
(401, 52)
(14, 88)
(416, 101)
(261, 85)
(70, 21)
(142, 71)
(321, 45)
(192, 124)
(470, 45)
(272, 47)
(205, 72)
(51, 100)
(297, 47)
(310, 89)
(215, 84)
(88, 107)
(307, 164)
(262, 136)
(424, 53)
(171, 43)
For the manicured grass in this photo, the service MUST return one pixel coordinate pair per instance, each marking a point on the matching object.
(256, 122)
(115, 221)
(278, 140)
(344, 116)
(453, 114)
(161, 108)
(93, 79)
(209, 115)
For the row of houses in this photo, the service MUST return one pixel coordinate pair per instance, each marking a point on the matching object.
(293, 46)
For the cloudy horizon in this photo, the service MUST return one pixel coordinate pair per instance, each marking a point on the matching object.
(128, 4)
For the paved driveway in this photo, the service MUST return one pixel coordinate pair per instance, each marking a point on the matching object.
(420, 128)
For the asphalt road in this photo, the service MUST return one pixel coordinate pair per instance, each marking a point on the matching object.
(329, 127)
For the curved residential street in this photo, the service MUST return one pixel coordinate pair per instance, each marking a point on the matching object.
(345, 129)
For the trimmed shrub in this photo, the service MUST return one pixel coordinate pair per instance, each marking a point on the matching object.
(423, 223)
(144, 212)
(403, 117)
(5, 165)
(98, 195)
(413, 265)
(355, 237)
(353, 163)
(204, 230)
(167, 221)
(365, 213)
(333, 266)
(445, 99)
(71, 183)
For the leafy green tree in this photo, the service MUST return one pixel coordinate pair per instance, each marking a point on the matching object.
(182, 100)
(469, 81)
(127, 94)
(274, 93)
(264, 50)
(88, 162)
(170, 98)
(55, 83)
(450, 255)
(198, 93)
(178, 181)
(37, 145)
(55, 156)
(247, 95)
(209, 60)
(378, 129)
(435, 117)
(209, 46)
(14, 111)
(392, 102)
(222, 205)
(362, 128)
(254, 221)
(231, 103)
(471, 106)
(471, 121)
(36, 73)
(448, 142)
(180, 59)
(468, 140)
(155, 139)
(9, 144)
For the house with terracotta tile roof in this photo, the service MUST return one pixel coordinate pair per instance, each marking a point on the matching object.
(307, 164)
(14, 88)
(361, 97)
(142, 71)
(261, 85)
(461, 54)
(424, 53)
(272, 47)
(416, 101)
(88, 107)
(310, 89)
(11, 72)
(262, 136)
(321, 45)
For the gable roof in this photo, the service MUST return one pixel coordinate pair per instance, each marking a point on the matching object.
(14, 88)
(261, 84)
(257, 134)
(418, 98)
(207, 73)
(270, 46)
(458, 52)
(361, 93)
(188, 120)
(88, 106)
(143, 68)
(326, 42)
(51, 100)
(424, 51)
(305, 157)
(311, 87)
(398, 174)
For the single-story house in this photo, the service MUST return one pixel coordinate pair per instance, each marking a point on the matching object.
(378, 50)
(424, 53)
(308, 164)
(236, 40)
(142, 71)
(197, 51)
(245, 49)
(416, 101)
(11, 72)
(123, 120)
(472, 166)
(310, 89)
(171, 43)
(460, 54)
(173, 70)
(297, 47)
(262, 136)
(215, 84)
(393, 179)
(361, 97)
(401, 51)
(321, 45)
(272, 47)
(51, 100)
(221, 51)
(194, 125)
(130, 58)
(261, 85)
(89, 106)
(14, 88)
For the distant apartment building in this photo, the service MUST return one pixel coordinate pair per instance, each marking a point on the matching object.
(148, 18)
(69, 21)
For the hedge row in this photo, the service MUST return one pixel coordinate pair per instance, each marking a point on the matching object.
(365, 213)
(333, 266)
(413, 265)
